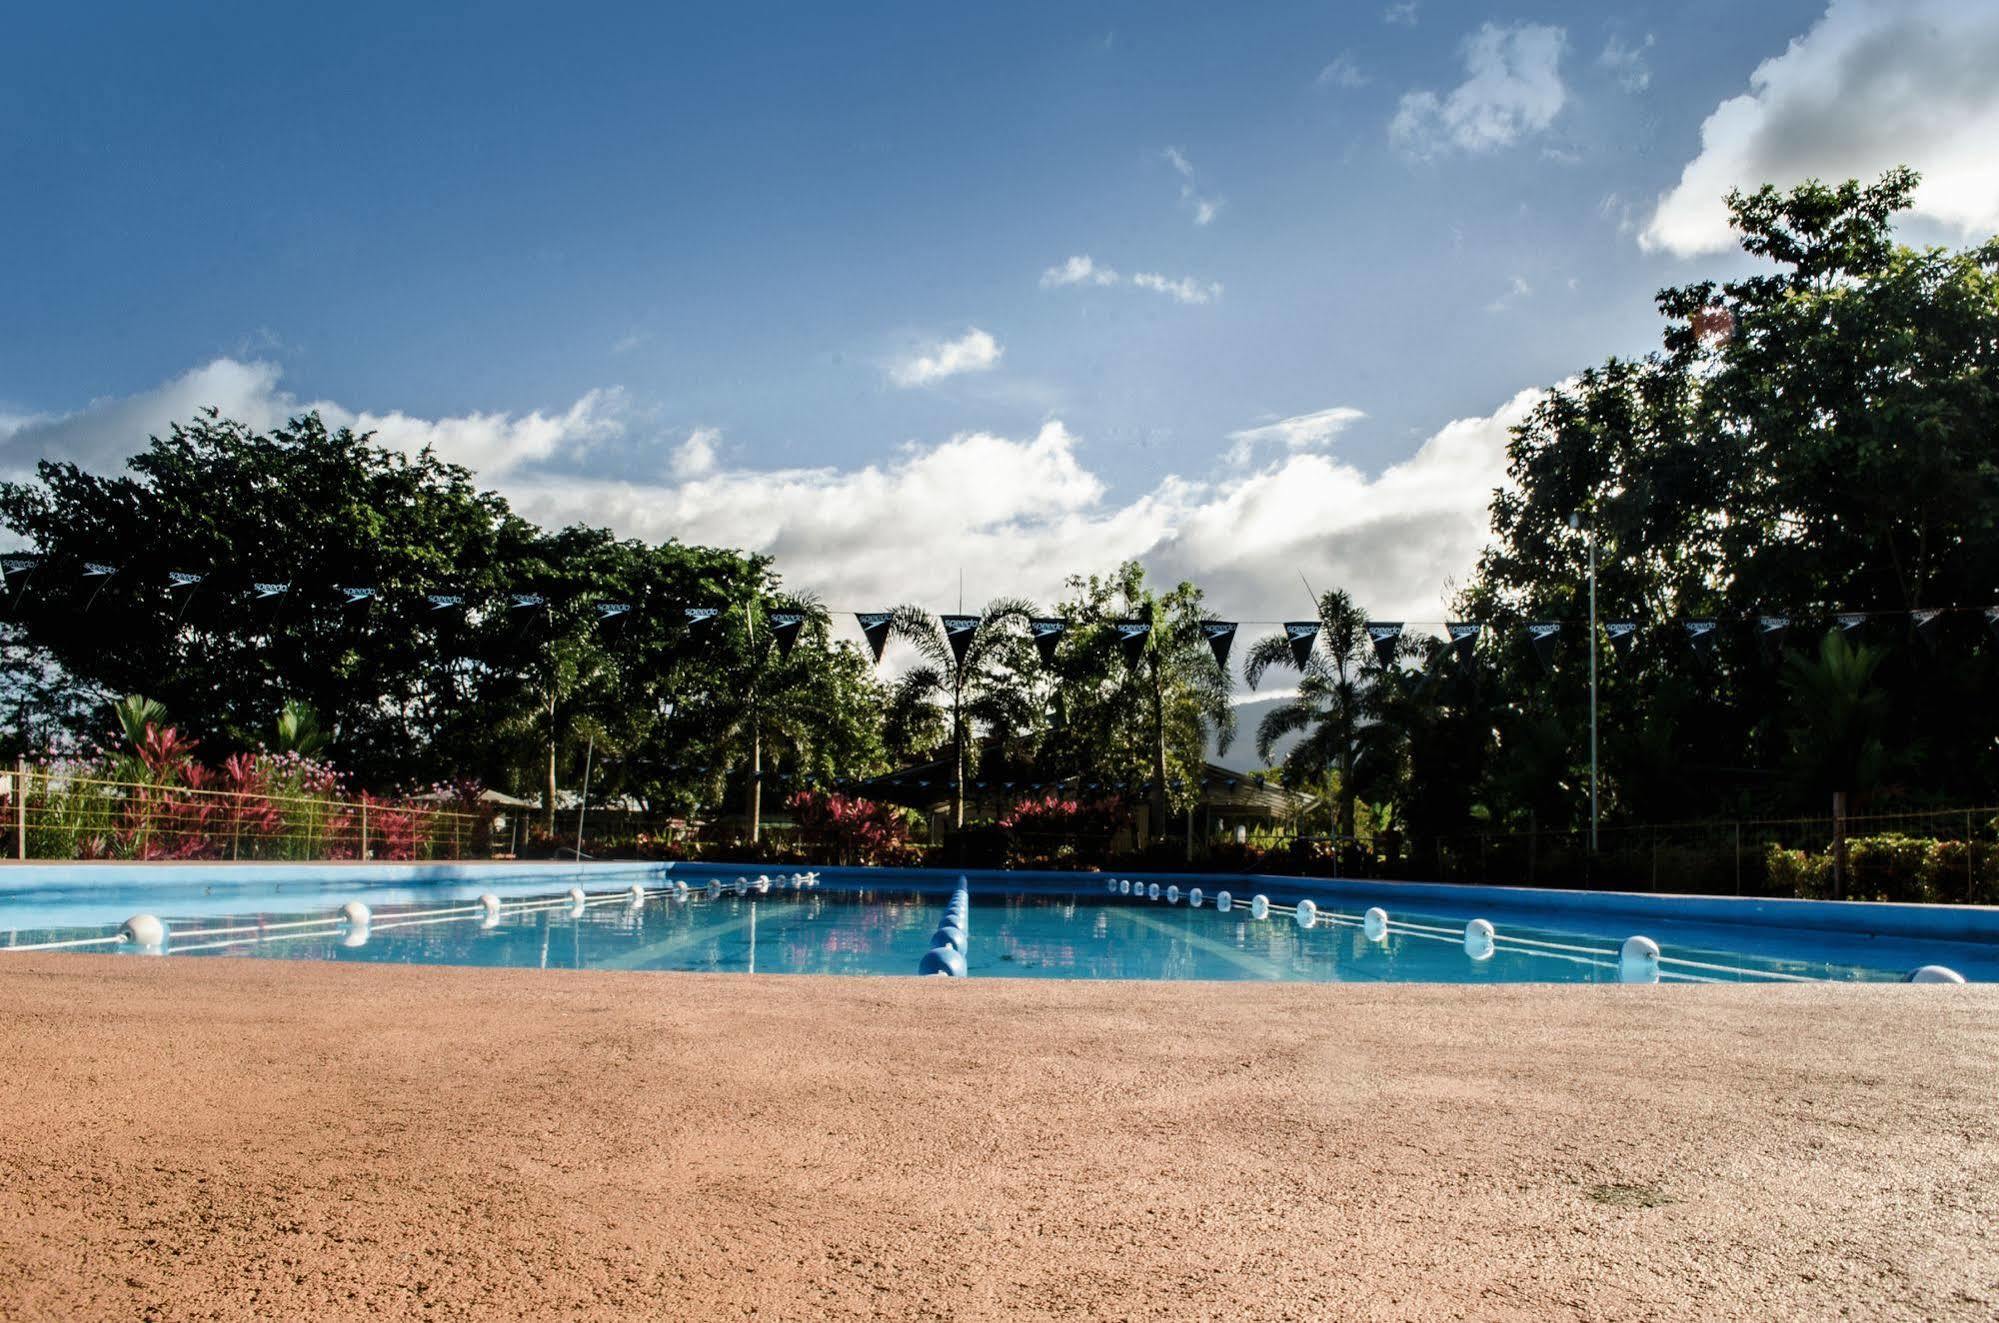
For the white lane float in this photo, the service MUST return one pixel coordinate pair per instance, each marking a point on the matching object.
(1306, 914)
(1934, 974)
(1638, 960)
(1478, 939)
(145, 931)
(1374, 924)
(1152, 892)
(1173, 895)
(1259, 907)
(1224, 902)
(1195, 897)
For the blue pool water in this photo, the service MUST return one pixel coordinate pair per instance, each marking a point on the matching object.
(855, 922)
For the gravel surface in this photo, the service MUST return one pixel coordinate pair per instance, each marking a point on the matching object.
(288, 1139)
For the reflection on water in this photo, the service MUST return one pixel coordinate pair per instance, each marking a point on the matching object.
(881, 931)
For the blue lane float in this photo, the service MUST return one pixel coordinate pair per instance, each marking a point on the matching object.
(949, 943)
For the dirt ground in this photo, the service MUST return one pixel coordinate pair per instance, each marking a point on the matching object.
(279, 1139)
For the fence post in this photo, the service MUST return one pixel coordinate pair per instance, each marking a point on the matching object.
(362, 856)
(21, 807)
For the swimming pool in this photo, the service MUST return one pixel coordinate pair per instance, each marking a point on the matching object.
(1013, 925)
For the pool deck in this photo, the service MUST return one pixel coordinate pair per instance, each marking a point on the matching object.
(252, 1138)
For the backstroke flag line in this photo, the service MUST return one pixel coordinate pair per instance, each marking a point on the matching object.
(1047, 632)
(1622, 633)
(874, 628)
(1301, 634)
(958, 631)
(1220, 635)
(1384, 635)
(785, 625)
(1543, 634)
(1131, 636)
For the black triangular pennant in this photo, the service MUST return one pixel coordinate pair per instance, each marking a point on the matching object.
(612, 610)
(183, 579)
(1131, 636)
(1770, 629)
(701, 615)
(958, 631)
(1220, 635)
(528, 601)
(1852, 623)
(1543, 635)
(1464, 638)
(356, 596)
(94, 570)
(12, 566)
(1301, 635)
(266, 591)
(1925, 624)
(1992, 621)
(1622, 634)
(1700, 635)
(874, 628)
(444, 601)
(1385, 635)
(1047, 631)
(784, 626)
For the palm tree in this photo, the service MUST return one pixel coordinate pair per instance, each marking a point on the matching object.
(136, 713)
(984, 687)
(774, 698)
(1839, 715)
(1168, 680)
(298, 730)
(1331, 704)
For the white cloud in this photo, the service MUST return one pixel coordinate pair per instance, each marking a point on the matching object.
(1080, 270)
(1342, 72)
(974, 351)
(696, 456)
(1512, 87)
(1516, 289)
(1184, 290)
(1627, 63)
(1305, 431)
(104, 432)
(1018, 514)
(1873, 84)
(1402, 13)
(1204, 208)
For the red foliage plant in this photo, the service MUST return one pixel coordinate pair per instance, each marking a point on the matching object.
(861, 831)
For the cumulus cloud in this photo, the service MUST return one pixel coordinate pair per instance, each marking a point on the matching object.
(1017, 513)
(1402, 13)
(1873, 84)
(1079, 270)
(695, 457)
(104, 432)
(974, 351)
(1305, 431)
(1513, 87)
(1184, 290)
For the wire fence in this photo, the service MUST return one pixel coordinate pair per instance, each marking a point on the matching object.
(1936, 856)
(64, 816)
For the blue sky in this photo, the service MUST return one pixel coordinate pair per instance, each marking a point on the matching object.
(641, 263)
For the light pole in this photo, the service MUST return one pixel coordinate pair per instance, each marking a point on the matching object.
(1575, 521)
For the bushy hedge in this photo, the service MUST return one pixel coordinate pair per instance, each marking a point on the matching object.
(1891, 867)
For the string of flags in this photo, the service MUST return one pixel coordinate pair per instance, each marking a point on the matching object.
(1702, 634)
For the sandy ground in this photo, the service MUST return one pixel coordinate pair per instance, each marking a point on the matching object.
(247, 1138)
